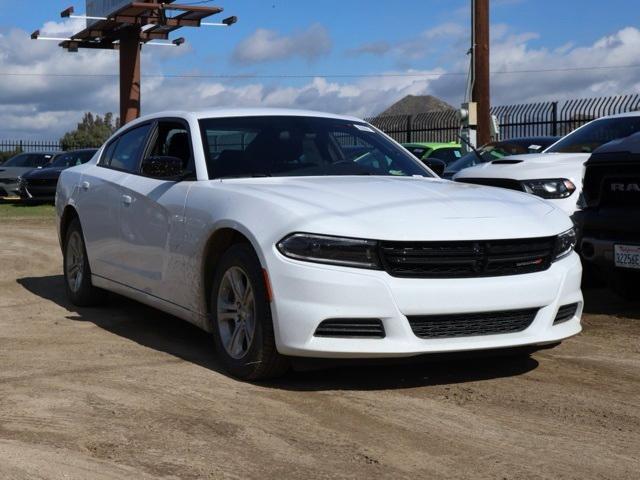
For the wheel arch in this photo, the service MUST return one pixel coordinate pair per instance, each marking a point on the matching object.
(219, 241)
(68, 215)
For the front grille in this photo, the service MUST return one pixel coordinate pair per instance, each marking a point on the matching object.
(41, 182)
(614, 183)
(472, 324)
(494, 182)
(565, 313)
(7, 181)
(351, 327)
(464, 259)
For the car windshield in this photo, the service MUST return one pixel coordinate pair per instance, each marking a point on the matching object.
(419, 152)
(71, 159)
(301, 146)
(28, 160)
(596, 133)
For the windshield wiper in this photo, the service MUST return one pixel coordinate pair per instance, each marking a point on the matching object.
(468, 144)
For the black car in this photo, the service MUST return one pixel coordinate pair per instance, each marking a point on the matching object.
(608, 221)
(496, 150)
(12, 169)
(40, 185)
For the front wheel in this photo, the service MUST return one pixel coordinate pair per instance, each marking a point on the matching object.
(77, 274)
(242, 324)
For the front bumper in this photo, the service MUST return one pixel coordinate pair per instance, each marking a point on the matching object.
(42, 193)
(9, 189)
(599, 230)
(305, 294)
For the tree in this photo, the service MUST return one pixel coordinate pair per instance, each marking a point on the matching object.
(93, 131)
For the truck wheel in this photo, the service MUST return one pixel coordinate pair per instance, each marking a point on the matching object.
(77, 273)
(242, 325)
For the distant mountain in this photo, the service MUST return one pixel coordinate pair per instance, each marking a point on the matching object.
(414, 104)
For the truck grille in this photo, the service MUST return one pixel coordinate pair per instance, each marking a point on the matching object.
(464, 259)
(472, 324)
(613, 183)
(351, 327)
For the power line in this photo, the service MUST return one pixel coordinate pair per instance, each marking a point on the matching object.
(336, 75)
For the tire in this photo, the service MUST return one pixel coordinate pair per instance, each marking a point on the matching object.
(77, 273)
(241, 314)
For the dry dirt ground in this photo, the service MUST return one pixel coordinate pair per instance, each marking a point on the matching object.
(127, 392)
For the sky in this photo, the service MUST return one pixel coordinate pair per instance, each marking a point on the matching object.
(348, 56)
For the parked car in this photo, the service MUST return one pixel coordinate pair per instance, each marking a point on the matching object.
(19, 165)
(447, 152)
(40, 184)
(609, 216)
(255, 226)
(556, 173)
(497, 150)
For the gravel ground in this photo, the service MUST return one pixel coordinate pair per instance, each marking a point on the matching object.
(125, 391)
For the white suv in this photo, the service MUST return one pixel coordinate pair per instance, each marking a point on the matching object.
(556, 173)
(289, 233)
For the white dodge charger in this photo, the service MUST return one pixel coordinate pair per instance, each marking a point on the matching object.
(289, 233)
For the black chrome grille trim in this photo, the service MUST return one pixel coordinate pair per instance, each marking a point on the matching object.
(465, 259)
(472, 324)
(351, 328)
(565, 313)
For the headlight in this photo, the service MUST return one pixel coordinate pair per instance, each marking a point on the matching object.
(565, 242)
(349, 252)
(552, 188)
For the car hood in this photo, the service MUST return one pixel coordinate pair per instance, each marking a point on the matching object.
(51, 173)
(529, 167)
(13, 172)
(398, 208)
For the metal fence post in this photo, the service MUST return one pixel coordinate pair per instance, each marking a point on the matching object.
(409, 126)
(554, 119)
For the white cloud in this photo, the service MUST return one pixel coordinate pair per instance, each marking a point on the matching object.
(268, 45)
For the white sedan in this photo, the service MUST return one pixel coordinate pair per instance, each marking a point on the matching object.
(288, 233)
(556, 173)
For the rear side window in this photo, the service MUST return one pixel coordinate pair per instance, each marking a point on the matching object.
(447, 155)
(125, 152)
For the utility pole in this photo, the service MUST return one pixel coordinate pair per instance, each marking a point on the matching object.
(481, 93)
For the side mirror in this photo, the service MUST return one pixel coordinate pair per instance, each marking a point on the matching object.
(435, 164)
(162, 167)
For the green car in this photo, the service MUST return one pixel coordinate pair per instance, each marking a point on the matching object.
(447, 152)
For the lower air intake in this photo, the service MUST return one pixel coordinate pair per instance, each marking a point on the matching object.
(472, 324)
(351, 328)
(566, 313)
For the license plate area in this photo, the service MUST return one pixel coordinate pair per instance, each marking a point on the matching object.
(627, 256)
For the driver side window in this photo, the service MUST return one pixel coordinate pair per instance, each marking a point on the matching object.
(172, 139)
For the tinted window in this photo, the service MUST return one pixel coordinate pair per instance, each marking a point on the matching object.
(419, 152)
(594, 134)
(128, 150)
(71, 159)
(27, 160)
(447, 155)
(172, 140)
(301, 146)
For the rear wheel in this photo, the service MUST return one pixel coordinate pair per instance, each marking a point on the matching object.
(242, 324)
(77, 274)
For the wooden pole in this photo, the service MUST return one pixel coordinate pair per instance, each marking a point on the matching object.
(130, 95)
(482, 87)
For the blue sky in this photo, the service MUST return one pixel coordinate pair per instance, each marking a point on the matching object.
(415, 45)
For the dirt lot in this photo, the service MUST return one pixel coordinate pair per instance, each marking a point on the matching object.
(127, 392)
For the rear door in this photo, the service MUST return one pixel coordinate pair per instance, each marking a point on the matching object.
(101, 200)
(152, 222)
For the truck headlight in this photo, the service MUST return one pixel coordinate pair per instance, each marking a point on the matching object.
(565, 243)
(348, 252)
(551, 188)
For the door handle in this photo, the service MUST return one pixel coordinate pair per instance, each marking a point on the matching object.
(127, 200)
(85, 186)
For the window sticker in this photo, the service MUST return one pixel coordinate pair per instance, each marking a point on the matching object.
(363, 128)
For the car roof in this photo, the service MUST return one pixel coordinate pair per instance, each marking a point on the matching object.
(78, 150)
(433, 145)
(244, 112)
